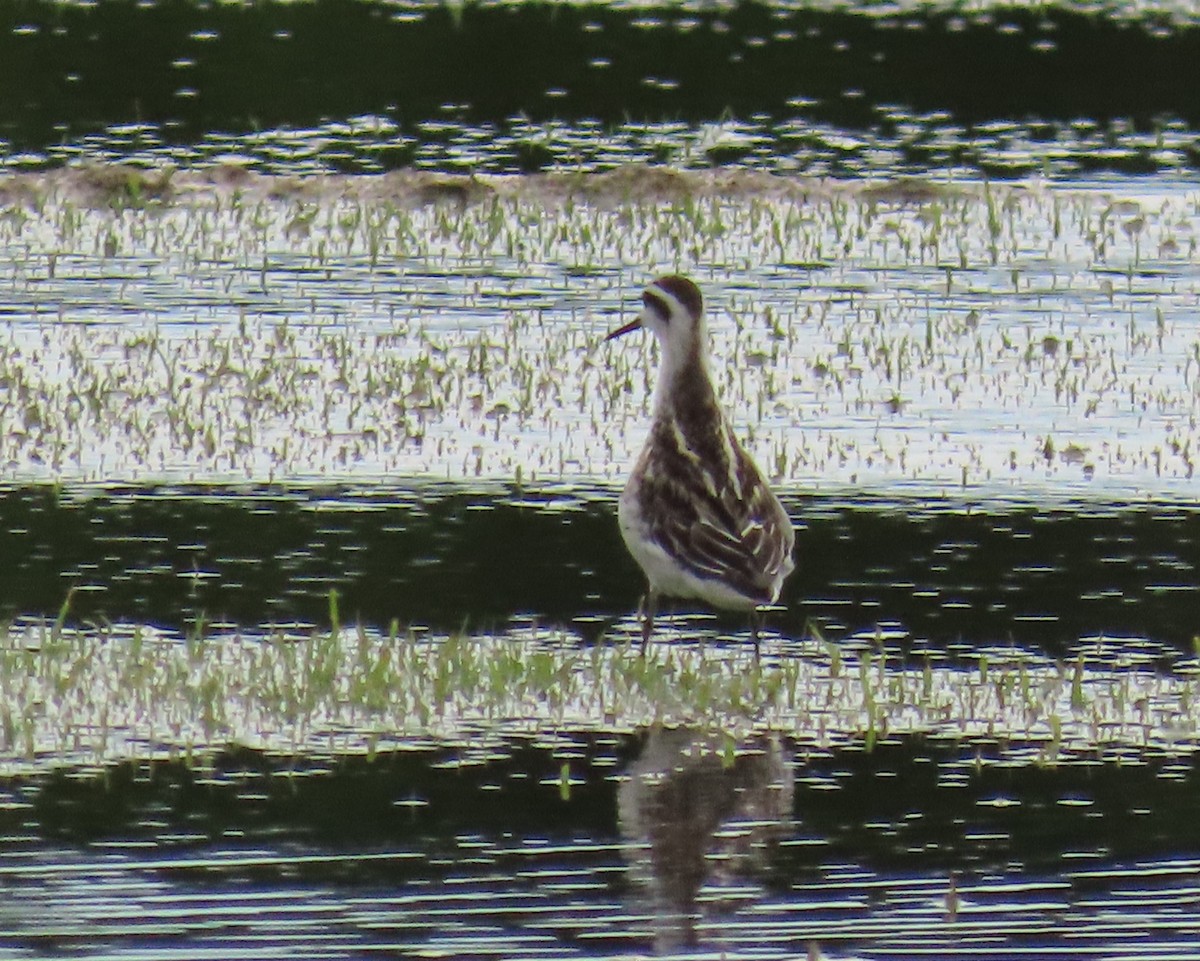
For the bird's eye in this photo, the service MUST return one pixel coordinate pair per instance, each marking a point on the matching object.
(650, 302)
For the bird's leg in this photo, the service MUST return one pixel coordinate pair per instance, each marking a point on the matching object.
(756, 620)
(649, 602)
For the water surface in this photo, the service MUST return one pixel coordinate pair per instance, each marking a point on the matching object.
(1070, 90)
(283, 432)
(908, 849)
(918, 573)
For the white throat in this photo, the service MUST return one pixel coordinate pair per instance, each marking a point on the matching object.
(682, 356)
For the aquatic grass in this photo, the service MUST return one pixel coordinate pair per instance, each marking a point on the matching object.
(93, 695)
(265, 328)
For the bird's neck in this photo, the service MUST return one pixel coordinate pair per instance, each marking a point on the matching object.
(684, 388)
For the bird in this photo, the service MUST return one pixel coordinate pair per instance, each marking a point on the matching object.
(696, 512)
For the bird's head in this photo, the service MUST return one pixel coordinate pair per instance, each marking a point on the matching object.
(672, 310)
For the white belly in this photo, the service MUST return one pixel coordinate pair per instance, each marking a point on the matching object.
(665, 574)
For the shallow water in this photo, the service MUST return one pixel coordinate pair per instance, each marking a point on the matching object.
(940, 337)
(948, 574)
(1075, 90)
(322, 638)
(910, 850)
(519, 834)
(1044, 809)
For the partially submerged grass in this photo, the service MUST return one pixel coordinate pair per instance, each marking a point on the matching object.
(72, 695)
(218, 325)
(224, 325)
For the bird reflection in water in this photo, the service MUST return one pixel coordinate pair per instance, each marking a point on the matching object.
(701, 813)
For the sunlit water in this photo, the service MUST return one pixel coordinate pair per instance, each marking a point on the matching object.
(169, 799)
(1015, 393)
(237, 408)
(780, 854)
(1069, 90)
(941, 338)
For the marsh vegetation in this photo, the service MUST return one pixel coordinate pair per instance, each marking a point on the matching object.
(316, 635)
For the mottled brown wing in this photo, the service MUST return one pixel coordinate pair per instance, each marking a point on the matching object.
(701, 520)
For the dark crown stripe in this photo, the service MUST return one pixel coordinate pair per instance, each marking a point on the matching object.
(684, 291)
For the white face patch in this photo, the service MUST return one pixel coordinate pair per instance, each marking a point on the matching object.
(661, 314)
(680, 333)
